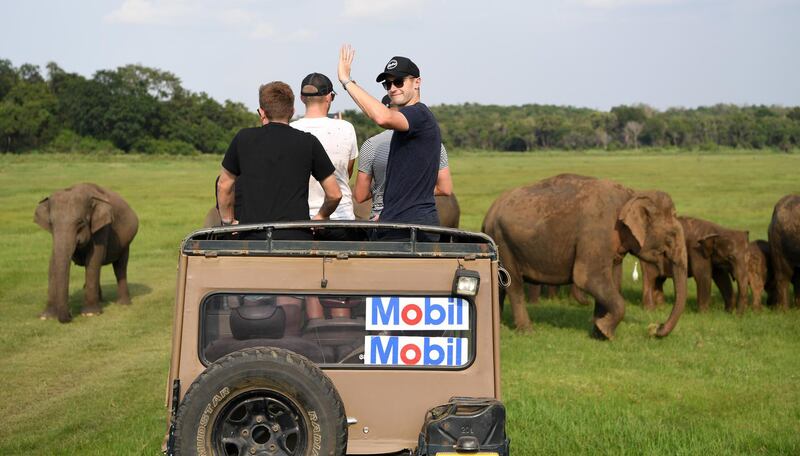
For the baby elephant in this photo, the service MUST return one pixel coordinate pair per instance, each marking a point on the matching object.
(715, 254)
(91, 226)
(759, 272)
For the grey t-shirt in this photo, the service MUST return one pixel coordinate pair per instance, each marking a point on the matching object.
(372, 159)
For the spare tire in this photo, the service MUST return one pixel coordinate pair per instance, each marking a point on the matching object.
(261, 401)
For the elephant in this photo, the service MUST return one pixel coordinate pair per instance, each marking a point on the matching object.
(715, 254)
(784, 245)
(759, 273)
(93, 227)
(212, 218)
(449, 210)
(446, 205)
(576, 229)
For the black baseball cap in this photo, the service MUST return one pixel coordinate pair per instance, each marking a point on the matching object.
(399, 67)
(315, 85)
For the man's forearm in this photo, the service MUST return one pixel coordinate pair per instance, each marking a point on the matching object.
(372, 107)
(329, 206)
(225, 199)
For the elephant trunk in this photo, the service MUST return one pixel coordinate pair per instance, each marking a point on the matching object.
(58, 289)
(680, 278)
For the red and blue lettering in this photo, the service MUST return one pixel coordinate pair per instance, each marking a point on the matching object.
(415, 351)
(423, 313)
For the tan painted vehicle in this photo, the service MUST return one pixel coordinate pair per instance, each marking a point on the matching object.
(323, 347)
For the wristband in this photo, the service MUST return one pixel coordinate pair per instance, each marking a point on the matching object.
(344, 84)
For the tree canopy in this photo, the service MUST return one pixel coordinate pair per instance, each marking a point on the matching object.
(137, 108)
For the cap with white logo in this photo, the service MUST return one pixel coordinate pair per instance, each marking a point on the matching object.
(399, 67)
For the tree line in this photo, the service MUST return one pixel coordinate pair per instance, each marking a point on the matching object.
(541, 127)
(142, 109)
(131, 108)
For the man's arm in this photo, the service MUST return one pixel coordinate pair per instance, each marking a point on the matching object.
(361, 191)
(444, 183)
(333, 194)
(225, 195)
(372, 107)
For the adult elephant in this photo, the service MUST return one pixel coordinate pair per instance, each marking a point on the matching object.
(576, 229)
(91, 226)
(715, 254)
(784, 243)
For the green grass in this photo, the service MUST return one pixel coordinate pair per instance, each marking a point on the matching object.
(720, 384)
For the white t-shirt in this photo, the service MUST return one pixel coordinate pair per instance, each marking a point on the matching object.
(338, 137)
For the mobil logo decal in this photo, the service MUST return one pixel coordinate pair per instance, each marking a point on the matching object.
(419, 313)
(415, 351)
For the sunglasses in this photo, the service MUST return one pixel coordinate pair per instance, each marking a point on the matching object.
(397, 83)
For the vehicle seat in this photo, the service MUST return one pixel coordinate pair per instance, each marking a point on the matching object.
(261, 321)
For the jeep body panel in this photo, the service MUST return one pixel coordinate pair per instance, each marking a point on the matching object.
(385, 406)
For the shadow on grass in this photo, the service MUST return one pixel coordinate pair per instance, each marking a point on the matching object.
(559, 313)
(109, 296)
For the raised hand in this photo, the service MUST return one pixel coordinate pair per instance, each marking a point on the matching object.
(346, 55)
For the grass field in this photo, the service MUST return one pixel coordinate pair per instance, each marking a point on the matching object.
(720, 384)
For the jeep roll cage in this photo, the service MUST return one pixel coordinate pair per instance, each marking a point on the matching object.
(453, 243)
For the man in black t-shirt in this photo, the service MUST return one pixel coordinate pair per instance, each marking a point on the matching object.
(413, 164)
(270, 167)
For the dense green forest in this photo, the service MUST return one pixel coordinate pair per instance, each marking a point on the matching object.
(142, 109)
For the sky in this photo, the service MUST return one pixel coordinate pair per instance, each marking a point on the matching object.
(586, 53)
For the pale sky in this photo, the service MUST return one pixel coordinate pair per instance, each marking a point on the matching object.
(592, 53)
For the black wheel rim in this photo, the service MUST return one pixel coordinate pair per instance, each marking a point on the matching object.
(261, 423)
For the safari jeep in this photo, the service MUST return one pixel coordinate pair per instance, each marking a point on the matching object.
(300, 347)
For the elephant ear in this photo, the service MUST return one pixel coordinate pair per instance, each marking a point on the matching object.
(706, 244)
(636, 215)
(42, 215)
(102, 214)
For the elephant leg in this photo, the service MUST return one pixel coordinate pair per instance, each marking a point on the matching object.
(783, 275)
(649, 281)
(578, 295)
(121, 273)
(551, 291)
(94, 262)
(616, 274)
(658, 291)
(534, 292)
(758, 290)
(609, 309)
(609, 306)
(702, 277)
(723, 281)
(99, 291)
(516, 294)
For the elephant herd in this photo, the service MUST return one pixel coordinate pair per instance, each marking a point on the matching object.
(567, 229)
(572, 229)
